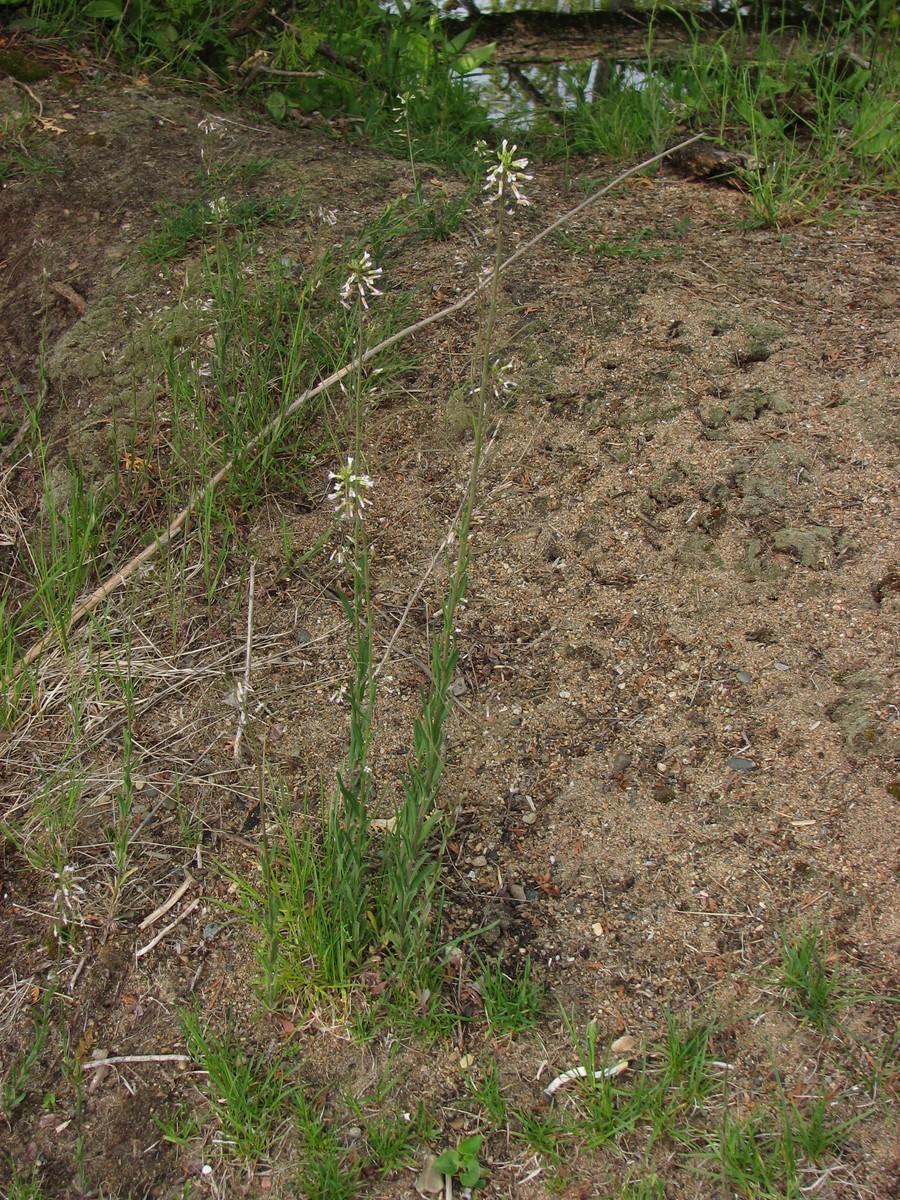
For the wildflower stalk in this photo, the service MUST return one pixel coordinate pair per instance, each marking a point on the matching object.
(348, 829)
(412, 896)
(403, 128)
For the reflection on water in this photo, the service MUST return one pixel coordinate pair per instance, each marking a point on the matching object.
(561, 65)
(519, 94)
(464, 10)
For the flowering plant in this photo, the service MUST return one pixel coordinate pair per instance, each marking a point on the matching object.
(360, 283)
(506, 174)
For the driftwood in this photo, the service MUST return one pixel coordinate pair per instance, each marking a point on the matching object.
(272, 430)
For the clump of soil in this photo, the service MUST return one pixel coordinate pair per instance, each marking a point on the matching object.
(678, 734)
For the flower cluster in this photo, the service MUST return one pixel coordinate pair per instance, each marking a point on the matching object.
(66, 898)
(506, 174)
(211, 125)
(361, 280)
(499, 382)
(349, 493)
(401, 111)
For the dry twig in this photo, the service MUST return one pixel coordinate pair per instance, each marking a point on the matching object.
(170, 903)
(168, 929)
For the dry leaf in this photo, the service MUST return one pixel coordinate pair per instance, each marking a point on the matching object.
(624, 1045)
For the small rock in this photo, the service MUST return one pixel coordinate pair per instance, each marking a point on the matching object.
(430, 1181)
(620, 764)
(741, 764)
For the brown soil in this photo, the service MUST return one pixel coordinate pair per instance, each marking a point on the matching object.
(679, 729)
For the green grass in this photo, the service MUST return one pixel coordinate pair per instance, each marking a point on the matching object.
(22, 1185)
(821, 129)
(18, 147)
(814, 105)
(252, 1097)
(14, 1085)
(811, 984)
(512, 1002)
(183, 228)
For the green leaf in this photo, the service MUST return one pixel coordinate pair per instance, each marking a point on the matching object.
(473, 59)
(469, 1147)
(469, 1174)
(447, 1163)
(276, 103)
(459, 43)
(104, 10)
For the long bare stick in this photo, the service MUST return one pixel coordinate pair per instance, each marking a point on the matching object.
(244, 686)
(115, 581)
(134, 1058)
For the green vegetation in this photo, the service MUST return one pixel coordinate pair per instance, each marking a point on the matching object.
(262, 380)
(809, 105)
(811, 985)
(462, 1161)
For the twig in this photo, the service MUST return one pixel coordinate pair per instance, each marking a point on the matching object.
(170, 903)
(133, 1058)
(164, 539)
(581, 1073)
(243, 687)
(77, 972)
(25, 88)
(292, 74)
(168, 929)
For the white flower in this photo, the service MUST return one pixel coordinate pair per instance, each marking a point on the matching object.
(339, 696)
(66, 898)
(349, 493)
(499, 383)
(218, 208)
(361, 280)
(402, 111)
(328, 216)
(506, 174)
(210, 125)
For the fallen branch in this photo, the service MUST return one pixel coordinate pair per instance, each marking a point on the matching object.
(273, 429)
(582, 1073)
(133, 1058)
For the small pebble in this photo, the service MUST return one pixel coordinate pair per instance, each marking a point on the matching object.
(741, 764)
(744, 677)
(621, 762)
